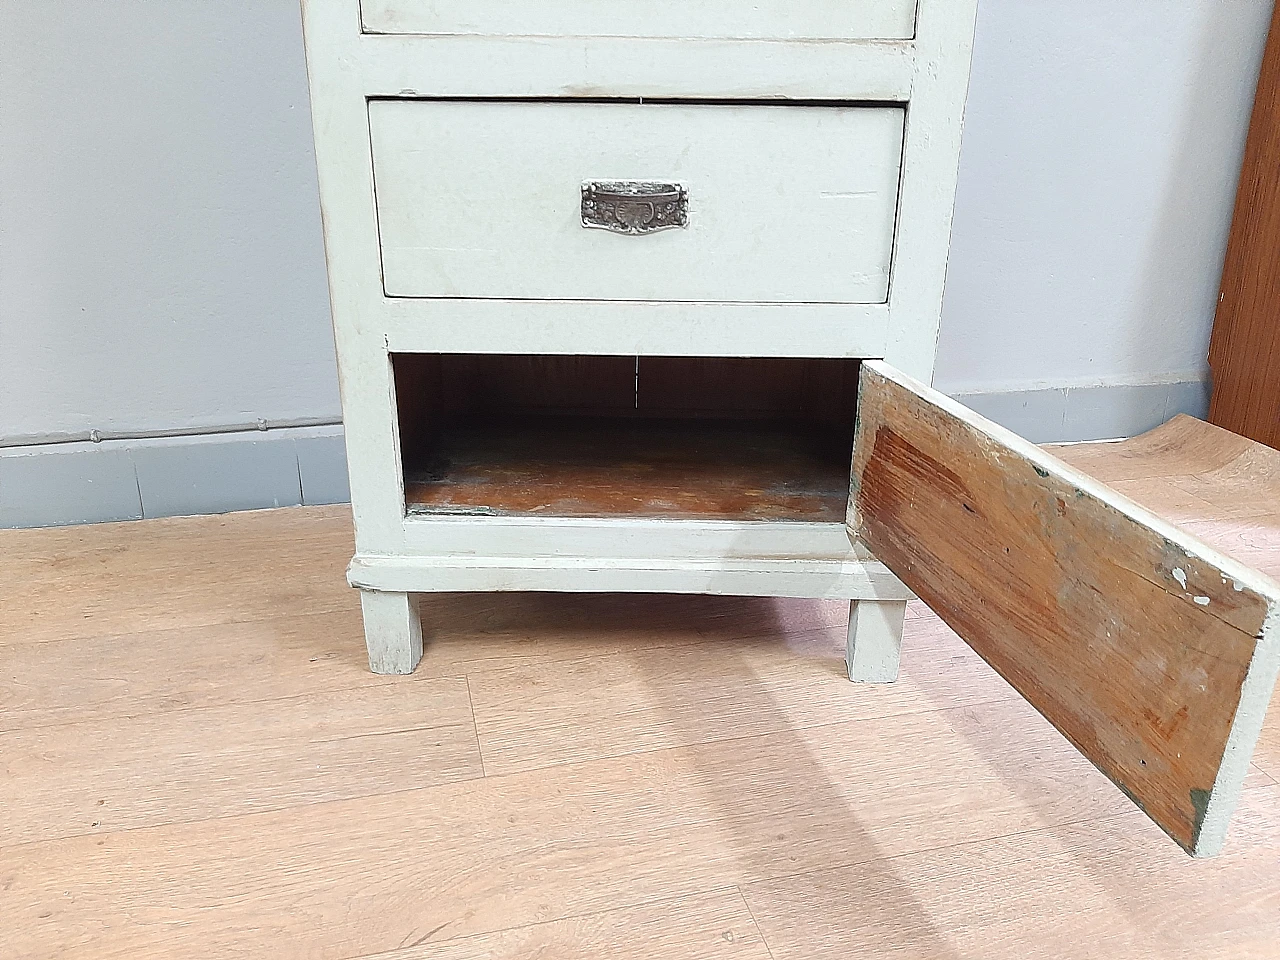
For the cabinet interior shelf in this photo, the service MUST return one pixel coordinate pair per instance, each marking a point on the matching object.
(664, 438)
(594, 467)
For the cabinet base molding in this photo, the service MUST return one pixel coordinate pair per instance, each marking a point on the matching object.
(829, 579)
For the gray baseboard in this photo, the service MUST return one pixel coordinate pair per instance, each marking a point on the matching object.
(1065, 414)
(64, 483)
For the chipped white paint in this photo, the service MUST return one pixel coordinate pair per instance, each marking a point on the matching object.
(1181, 576)
(1202, 601)
(1255, 695)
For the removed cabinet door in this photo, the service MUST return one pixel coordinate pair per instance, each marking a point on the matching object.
(1154, 654)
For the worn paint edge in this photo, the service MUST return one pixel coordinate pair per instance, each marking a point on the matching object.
(1255, 695)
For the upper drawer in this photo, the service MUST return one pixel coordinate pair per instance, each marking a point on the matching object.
(718, 19)
(786, 204)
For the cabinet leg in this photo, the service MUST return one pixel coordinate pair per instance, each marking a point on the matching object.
(875, 640)
(392, 631)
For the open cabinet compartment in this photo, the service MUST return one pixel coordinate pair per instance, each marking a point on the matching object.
(767, 439)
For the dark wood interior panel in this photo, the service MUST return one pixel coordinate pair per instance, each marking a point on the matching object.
(808, 389)
(482, 386)
(767, 439)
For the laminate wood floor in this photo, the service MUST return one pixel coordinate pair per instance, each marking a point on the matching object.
(197, 763)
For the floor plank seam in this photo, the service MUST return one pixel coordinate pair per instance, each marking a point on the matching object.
(959, 844)
(1273, 785)
(493, 664)
(754, 922)
(942, 848)
(617, 908)
(156, 631)
(200, 625)
(716, 741)
(463, 779)
(393, 733)
(375, 680)
(475, 728)
(263, 811)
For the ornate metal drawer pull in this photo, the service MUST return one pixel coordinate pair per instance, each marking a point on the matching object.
(634, 206)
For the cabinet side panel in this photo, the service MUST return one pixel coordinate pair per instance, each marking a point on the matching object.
(331, 30)
(930, 162)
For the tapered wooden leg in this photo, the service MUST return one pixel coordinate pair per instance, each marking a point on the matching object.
(392, 631)
(875, 640)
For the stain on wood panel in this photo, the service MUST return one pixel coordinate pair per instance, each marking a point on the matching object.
(1132, 639)
(663, 468)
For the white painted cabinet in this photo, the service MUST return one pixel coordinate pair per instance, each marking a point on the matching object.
(629, 295)
(602, 274)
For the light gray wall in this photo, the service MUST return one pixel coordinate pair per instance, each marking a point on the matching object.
(160, 244)
(1101, 153)
(161, 268)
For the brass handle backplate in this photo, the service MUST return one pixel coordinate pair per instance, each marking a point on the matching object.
(634, 206)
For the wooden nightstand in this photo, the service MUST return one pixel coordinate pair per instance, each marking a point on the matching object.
(613, 288)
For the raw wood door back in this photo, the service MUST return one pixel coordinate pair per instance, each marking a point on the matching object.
(1151, 652)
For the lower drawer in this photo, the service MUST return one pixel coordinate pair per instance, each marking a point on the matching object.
(785, 204)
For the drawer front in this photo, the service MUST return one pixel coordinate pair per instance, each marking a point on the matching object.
(720, 19)
(785, 204)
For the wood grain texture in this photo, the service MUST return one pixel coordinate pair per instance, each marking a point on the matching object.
(97, 677)
(1244, 350)
(643, 437)
(1183, 446)
(1208, 473)
(1217, 485)
(1089, 890)
(533, 715)
(1155, 655)
(184, 765)
(373, 874)
(713, 927)
(575, 467)
(192, 571)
